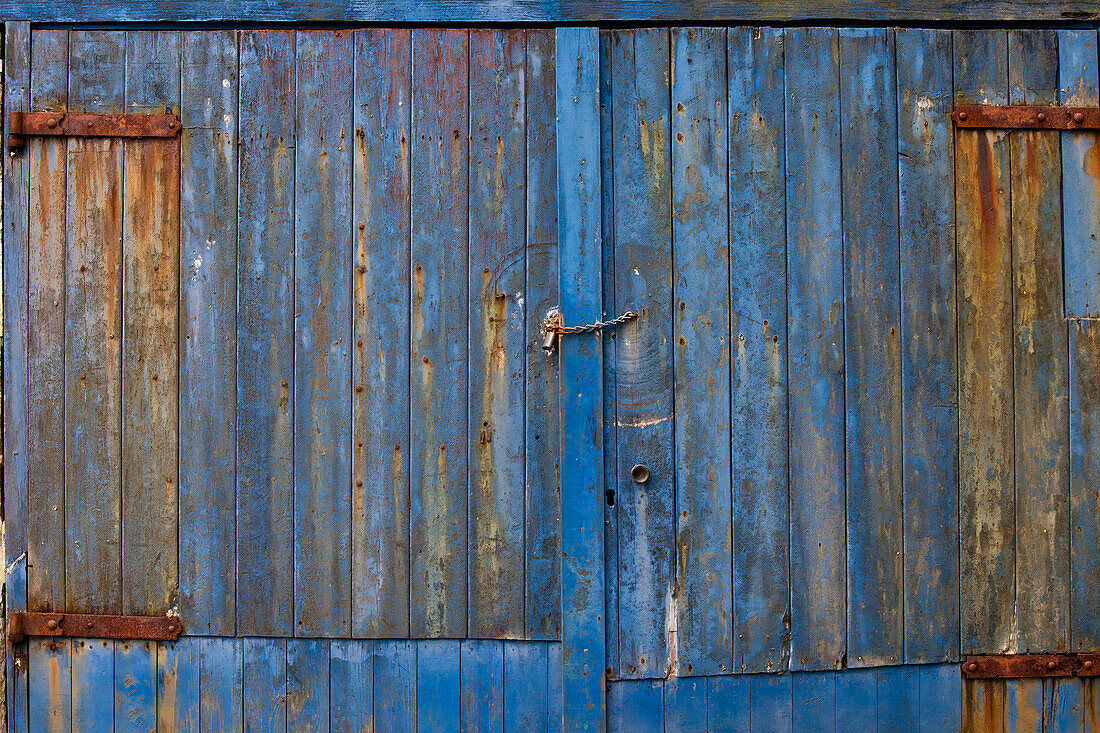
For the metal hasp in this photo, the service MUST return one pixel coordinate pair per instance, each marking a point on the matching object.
(1016, 666)
(22, 624)
(64, 124)
(1026, 117)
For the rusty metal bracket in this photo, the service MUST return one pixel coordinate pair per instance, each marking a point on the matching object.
(71, 124)
(1015, 666)
(1026, 117)
(22, 624)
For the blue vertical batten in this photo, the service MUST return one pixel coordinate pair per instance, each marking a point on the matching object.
(307, 684)
(438, 685)
(178, 686)
(579, 217)
(135, 686)
(395, 694)
(265, 676)
(351, 684)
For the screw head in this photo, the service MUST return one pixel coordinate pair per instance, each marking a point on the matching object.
(1078, 116)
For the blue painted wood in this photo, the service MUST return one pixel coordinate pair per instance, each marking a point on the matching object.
(439, 678)
(525, 687)
(1077, 85)
(872, 346)
(322, 331)
(380, 362)
(641, 706)
(926, 191)
(728, 708)
(438, 457)
(1023, 705)
(351, 685)
(770, 701)
(265, 334)
(50, 680)
(265, 684)
(482, 685)
(221, 684)
(93, 685)
(307, 685)
(983, 706)
(579, 203)
(208, 321)
(1063, 705)
(395, 695)
(135, 686)
(814, 701)
(939, 689)
(856, 700)
(815, 287)
(685, 704)
(758, 331)
(178, 685)
(554, 687)
(898, 703)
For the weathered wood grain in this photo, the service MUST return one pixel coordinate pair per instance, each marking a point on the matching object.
(380, 362)
(758, 333)
(221, 683)
(482, 685)
(815, 366)
(322, 333)
(439, 334)
(395, 695)
(814, 701)
(685, 703)
(178, 686)
(265, 334)
(264, 683)
(929, 373)
(439, 684)
(1063, 703)
(208, 322)
(135, 686)
(351, 685)
(939, 690)
(986, 491)
(770, 699)
(307, 684)
(50, 684)
(983, 705)
(524, 694)
(1077, 84)
(1023, 704)
(728, 702)
(93, 685)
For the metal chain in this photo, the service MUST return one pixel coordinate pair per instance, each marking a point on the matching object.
(557, 327)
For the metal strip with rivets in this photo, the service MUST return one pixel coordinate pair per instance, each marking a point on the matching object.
(72, 124)
(22, 624)
(1025, 117)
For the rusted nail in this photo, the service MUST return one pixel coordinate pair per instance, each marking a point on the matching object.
(962, 115)
(154, 377)
(51, 123)
(972, 666)
(362, 268)
(1051, 664)
(1078, 116)
(358, 388)
(358, 482)
(51, 624)
(285, 383)
(1042, 116)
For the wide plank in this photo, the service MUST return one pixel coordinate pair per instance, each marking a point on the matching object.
(265, 684)
(307, 685)
(93, 685)
(221, 683)
(178, 686)
(525, 685)
(439, 684)
(351, 685)
(50, 685)
(395, 695)
(135, 686)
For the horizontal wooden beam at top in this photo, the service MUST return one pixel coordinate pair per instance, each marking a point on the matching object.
(546, 11)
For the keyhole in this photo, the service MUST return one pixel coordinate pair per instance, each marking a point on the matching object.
(609, 495)
(639, 473)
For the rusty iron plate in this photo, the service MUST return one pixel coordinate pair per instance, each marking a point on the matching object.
(1013, 666)
(1088, 665)
(22, 624)
(61, 124)
(1026, 117)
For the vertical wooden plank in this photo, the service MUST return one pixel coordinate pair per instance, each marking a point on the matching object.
(265, 684)
(50, 684)
(482, 685)
(758, 328)
(351, 685)
(1024, 705)
(1078, 82)
(940, 695)
(524, 686)
(1040, 357)
(814, 701)
(554, 687)
(380, 362)
(642, 194)
(135, 685)
(1063, 704)
(93, 683)
(322, 332)
(983, 706)
(208, 319)
(542, 532)
(701, 353)
(584, 651)
(438, 458)
(929, 383)
(439, 685)
(395, 686)
(93, 332)
(898, 701)
(307, 685)
(872, 346)
(178, 686)
(815, 367)
(728, 704)
(685, 704)
(641, 705)
(770, 698)
(221, 685)
(265, 334)
(1092, 705)
(856, 698)
(986, 493)
(45, 364)
(497, 330)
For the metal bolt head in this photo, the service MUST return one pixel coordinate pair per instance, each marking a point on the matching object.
(51, 624)
(1042, 116)
(972, 666)
(962, 115)
(1078, 116)
(1051, 664)
(51, 123)
(1087, 664)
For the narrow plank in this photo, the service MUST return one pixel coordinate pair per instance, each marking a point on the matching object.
(984, 281)
(614, 707)
(208, 320)
(482, 685)
(940, 695)
(265, 684)
(380, 362)
(322, 333)
(93, 333)
(856, 700)
(872, 346)
(897, 703)
(758, 328)
(221, 684)
(439, 685)
(983, 706)
(554, 688)
(93, 680)
(542, 529)
(1078, 83)
(770, 700)
(525, 686)
(50, 684)
(584, 647)
(815, 367)
(685, 704)
(438, 457)
(1063, 705)
(497, 275)
(135, 686)
(1024, 705)
(641, 705)
(265, 334)
(45, 397)
(642, 193)
(1092, 705)
(307, 685)
(814, 701)
(701, 353)
(395, 686)
(929, 372)
(351, 685)
(178, 686)
(728, 704)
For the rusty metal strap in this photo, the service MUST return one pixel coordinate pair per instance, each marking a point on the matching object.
(72, 124)
(1015, 666)
(22, 624)
(1026, 117)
